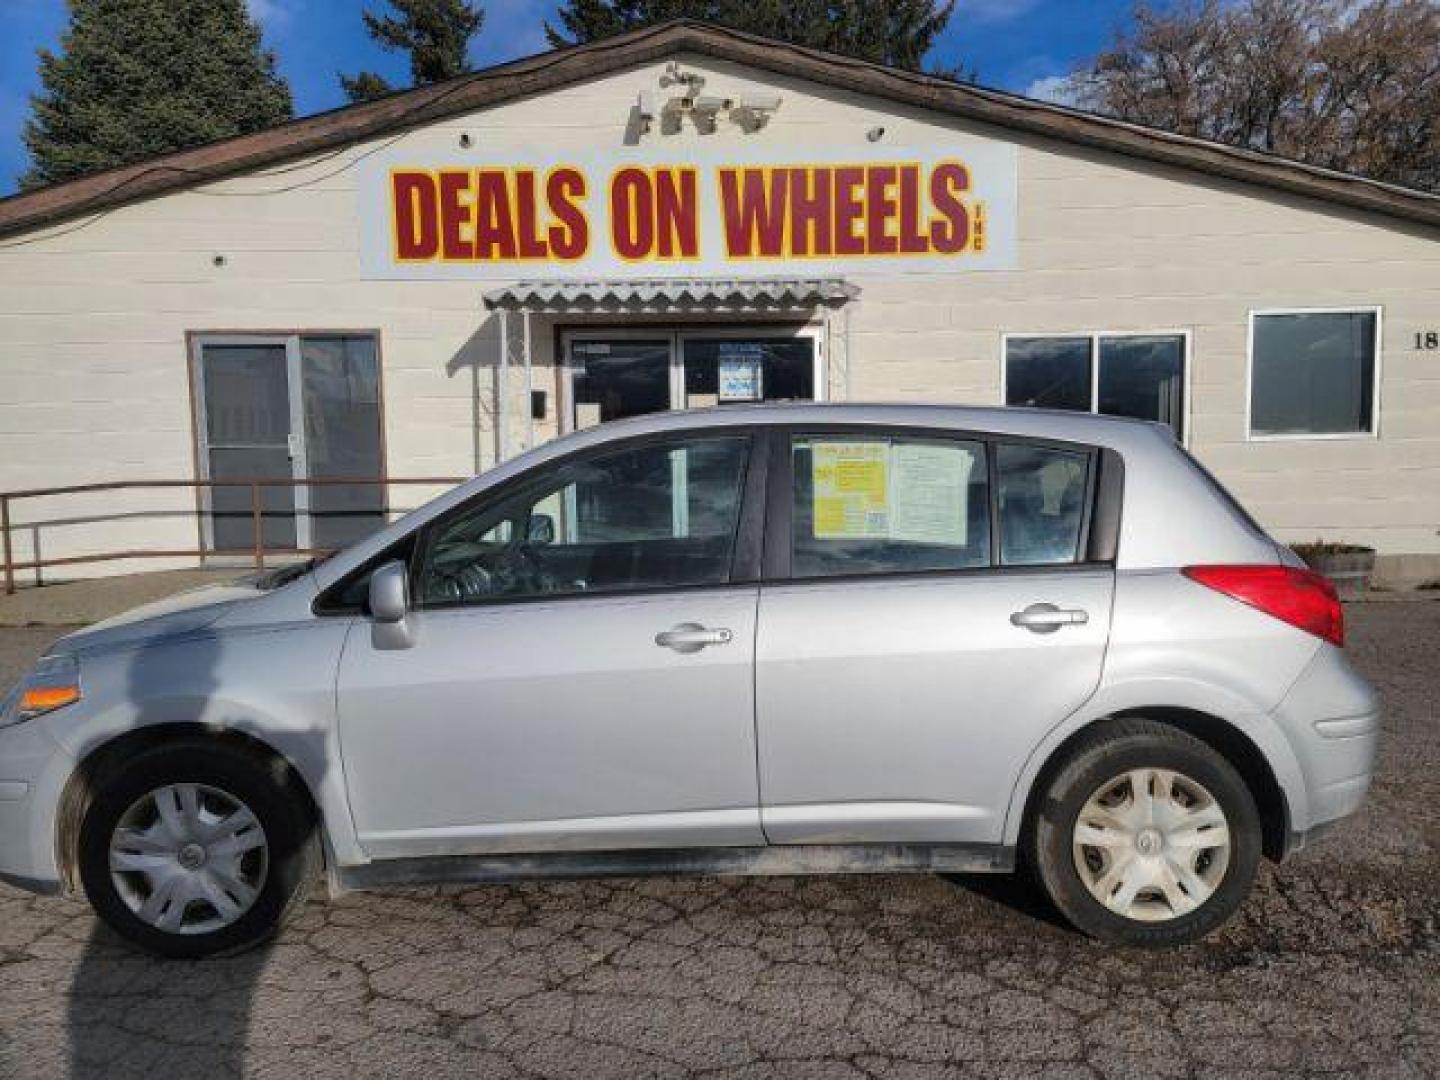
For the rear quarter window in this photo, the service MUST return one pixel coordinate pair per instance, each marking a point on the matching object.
(1042, 495)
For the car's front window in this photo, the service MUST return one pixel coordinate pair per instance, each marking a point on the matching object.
(649, 516)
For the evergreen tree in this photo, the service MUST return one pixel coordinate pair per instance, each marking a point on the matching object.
(894, 32)
(436, 34)
(136, 78)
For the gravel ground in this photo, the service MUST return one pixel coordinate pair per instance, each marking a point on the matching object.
(1332, 967)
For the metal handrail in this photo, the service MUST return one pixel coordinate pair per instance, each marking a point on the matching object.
(257, 516)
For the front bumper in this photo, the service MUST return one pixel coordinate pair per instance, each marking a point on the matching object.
(33, 772)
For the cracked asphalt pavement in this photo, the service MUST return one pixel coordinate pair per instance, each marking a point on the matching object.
(1332, 968)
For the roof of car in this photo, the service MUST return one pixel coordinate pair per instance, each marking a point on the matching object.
(1026, 422)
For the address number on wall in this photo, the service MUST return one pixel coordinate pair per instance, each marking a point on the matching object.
(1427, 340)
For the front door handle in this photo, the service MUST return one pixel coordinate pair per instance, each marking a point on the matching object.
(691, 637)
(1047, 618)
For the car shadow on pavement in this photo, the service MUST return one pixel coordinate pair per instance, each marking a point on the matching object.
(1014, 891)
(130, 1015)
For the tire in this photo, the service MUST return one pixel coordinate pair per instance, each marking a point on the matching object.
(259, 889)
(1078, 861)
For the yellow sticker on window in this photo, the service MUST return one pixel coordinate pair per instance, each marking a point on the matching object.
(851, 486)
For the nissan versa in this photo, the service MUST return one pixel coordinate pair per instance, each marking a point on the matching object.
(759, 640)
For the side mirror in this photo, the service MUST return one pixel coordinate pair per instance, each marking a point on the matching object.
(390, 606)
(540, 530)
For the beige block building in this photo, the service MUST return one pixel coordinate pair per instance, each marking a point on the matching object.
(684, 216)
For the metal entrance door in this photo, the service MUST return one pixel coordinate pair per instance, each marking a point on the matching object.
(247, 417)
(289, 408)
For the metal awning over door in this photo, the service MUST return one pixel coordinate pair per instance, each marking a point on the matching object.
(672, 296)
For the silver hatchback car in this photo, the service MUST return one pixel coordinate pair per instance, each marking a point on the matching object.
(774, 640)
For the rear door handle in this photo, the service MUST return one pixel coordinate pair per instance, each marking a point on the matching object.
(1047, 618)
(689, 637)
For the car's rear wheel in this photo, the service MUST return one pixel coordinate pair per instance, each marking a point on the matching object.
(197, 848)
(1146, 836)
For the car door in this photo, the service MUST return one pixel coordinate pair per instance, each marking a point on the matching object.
(580, 669)
(933, 604)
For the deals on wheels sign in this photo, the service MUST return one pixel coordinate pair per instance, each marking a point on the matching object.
(731, 214)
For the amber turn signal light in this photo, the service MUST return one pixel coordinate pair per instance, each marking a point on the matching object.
(43, 699)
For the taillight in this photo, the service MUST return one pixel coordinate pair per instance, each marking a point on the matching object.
(1301, 598)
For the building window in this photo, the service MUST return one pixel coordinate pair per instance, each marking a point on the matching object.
(1313, 372)
(1137, 375)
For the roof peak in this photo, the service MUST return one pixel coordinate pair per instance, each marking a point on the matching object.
(489, 87)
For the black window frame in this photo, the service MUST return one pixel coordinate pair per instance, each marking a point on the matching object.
(745, 560)
(1095, 371)
(1099, 526)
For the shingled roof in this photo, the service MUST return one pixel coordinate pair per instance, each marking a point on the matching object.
(334, 130)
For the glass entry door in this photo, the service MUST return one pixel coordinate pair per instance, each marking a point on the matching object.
(613, 379)
(729, 370)
(289, 408)
(615, 375)
(247, 425)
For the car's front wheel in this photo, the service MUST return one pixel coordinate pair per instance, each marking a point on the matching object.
(1146, 836)
(196, 848)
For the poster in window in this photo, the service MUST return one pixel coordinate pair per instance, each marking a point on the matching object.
(741, 371)
(928, 483)
(851, 486)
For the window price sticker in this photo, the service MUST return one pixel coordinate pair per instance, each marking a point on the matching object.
(911, 492)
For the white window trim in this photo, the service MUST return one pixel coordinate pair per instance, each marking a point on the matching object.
(1095, 336)
(1333, 436)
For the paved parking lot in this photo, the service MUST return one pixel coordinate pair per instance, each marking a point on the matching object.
(1332, 968)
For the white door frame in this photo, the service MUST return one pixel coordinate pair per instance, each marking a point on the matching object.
(676, 336)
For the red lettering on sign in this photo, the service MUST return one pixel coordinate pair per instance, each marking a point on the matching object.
(632, 213)
(809, 211)
(494, 224)
(529, 244)
(417, 234)
(752, 204)
(456, 216)
(868, 210)
(950, 228)
(570, 237)
(913, 240)
(677, 213)
(849, 210)
(880, 209)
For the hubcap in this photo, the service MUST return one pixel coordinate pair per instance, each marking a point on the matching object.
(1151, 844)
(189, 859)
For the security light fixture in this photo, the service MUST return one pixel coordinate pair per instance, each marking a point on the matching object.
(641, 120)
(755, 110)
(706, 110)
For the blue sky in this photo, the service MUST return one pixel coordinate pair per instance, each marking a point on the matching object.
(1013, 44)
